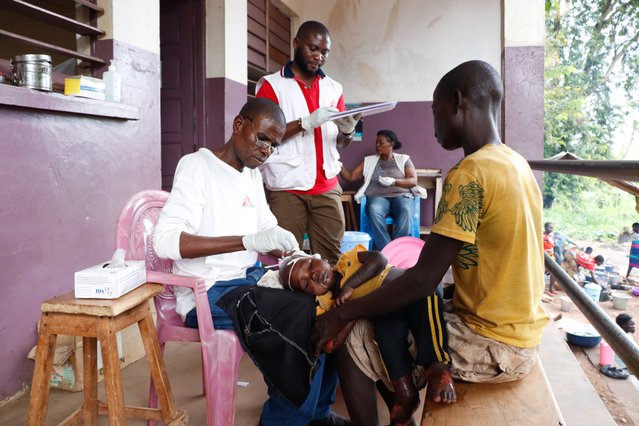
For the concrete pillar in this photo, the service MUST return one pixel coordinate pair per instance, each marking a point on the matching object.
(136, 23)
(523, 75)
(226, 60)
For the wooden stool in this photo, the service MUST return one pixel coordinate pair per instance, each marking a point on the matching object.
(93, 319)
(349, 211)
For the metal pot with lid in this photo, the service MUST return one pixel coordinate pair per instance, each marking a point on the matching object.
(32, 71)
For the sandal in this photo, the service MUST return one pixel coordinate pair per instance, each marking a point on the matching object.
(614, 372)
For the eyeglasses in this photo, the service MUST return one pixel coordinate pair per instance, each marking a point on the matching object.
(261, 143)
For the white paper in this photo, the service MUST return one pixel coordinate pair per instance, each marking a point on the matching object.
(365, 110)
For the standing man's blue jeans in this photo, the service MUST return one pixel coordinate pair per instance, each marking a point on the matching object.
(401, 210)
(278, 411)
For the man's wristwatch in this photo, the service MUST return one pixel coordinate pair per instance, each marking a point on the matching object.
(349, 135)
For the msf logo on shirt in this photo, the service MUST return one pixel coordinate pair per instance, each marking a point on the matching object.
(247, 202)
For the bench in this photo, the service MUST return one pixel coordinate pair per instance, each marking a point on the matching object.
(529, 401)
(557, 391)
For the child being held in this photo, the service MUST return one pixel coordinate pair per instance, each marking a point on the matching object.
(357, 273)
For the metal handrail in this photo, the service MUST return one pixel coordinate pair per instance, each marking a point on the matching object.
(623, 346)
(602, 169)
(618, 171)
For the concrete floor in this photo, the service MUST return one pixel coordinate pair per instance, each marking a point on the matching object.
(184, 369)
(576, 398)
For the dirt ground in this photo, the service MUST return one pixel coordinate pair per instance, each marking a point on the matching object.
(620, 399)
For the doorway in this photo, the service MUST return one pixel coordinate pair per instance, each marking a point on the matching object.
(182, 92)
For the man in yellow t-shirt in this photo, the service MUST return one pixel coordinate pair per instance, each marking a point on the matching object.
(492, 203)
(488, 227)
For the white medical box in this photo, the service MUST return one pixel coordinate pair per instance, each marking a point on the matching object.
(84, 87)
(100, 282)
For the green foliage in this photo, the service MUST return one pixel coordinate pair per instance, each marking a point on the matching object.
(592, 48)
(596, 216)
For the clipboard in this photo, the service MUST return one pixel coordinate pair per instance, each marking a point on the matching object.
(365, 110)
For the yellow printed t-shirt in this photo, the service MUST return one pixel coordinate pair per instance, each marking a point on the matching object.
(491, 202)
(346, 266)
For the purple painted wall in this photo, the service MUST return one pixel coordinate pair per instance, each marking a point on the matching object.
(64, 179)
(224, 100)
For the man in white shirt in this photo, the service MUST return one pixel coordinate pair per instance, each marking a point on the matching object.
(217, 220)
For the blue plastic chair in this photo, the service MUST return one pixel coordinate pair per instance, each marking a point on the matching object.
(365, 224)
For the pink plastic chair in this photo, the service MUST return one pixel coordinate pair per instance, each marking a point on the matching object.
(403, 252)
(221, 350)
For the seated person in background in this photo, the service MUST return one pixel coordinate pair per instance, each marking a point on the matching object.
(633, 258)
(359, 272)
(626, 322)
(390, 182)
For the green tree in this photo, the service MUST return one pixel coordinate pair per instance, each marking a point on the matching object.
(591, 52)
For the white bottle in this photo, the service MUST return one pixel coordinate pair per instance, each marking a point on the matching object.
(112, 83)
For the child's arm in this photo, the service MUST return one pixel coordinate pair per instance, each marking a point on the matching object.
(373, 264)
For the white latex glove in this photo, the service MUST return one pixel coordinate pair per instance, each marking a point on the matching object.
(276, 238)
(387, 181)
(346, 125)
(317, 118)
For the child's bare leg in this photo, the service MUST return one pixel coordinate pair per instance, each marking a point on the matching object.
(405, 401)
(389, 398)
(441, 387)
(358, 391)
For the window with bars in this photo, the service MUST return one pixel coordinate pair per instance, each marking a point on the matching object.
(269, 41)
(64, 29)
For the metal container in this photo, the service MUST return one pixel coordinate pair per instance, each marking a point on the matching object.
(32, 71)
